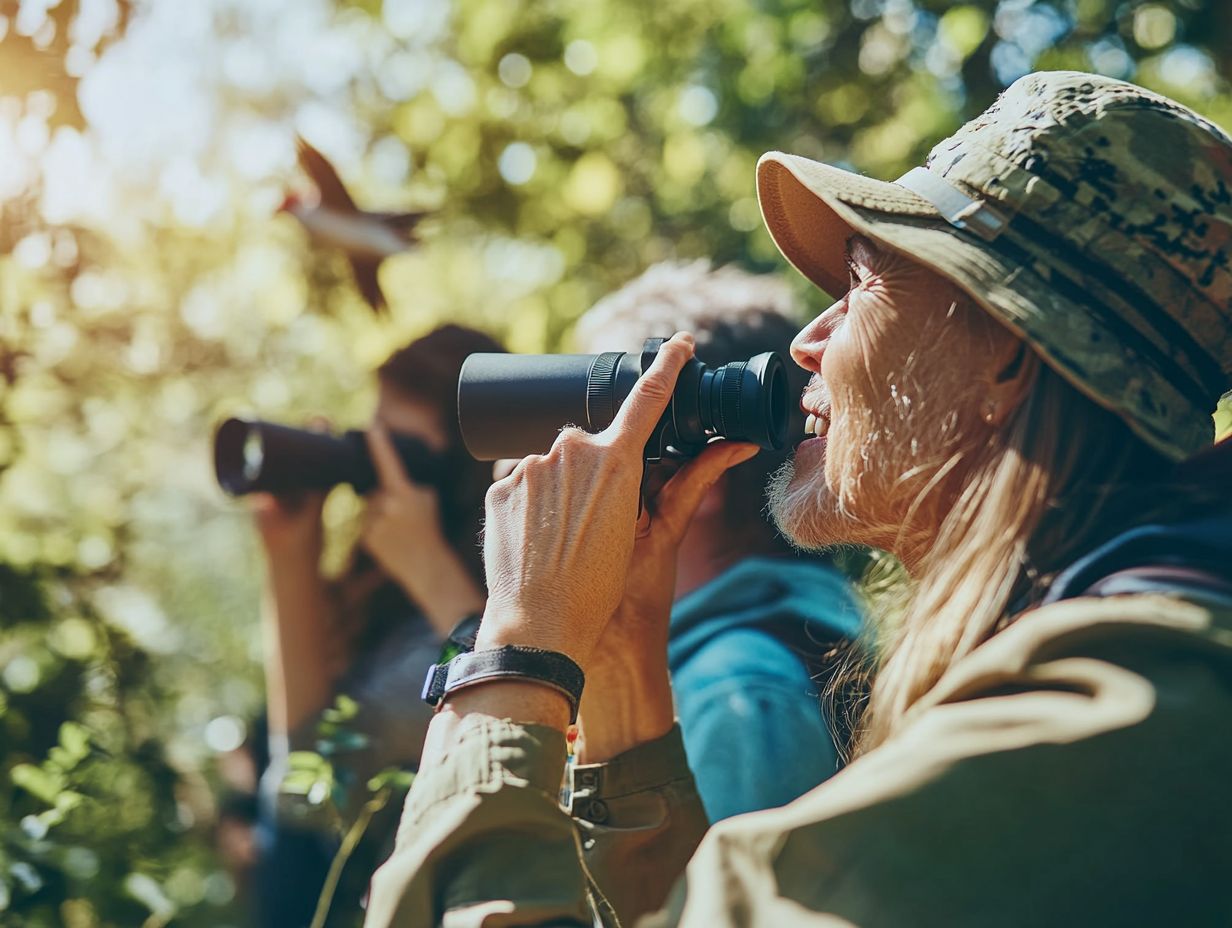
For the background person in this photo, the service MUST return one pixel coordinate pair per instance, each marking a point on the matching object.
(414, 574)
(751, 617)
(1014, 396)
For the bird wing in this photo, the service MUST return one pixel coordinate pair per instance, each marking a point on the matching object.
(365, 271)
(333, 193)
(402, 222)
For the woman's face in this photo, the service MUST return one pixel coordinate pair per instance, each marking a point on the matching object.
(900, 365)
(405, 415)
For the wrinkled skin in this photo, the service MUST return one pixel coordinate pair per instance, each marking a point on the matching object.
(908, 372)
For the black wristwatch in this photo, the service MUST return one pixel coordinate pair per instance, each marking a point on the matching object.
(513, 662)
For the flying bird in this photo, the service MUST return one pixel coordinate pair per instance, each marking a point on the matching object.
(334, 221)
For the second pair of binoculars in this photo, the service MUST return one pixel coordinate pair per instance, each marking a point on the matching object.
(512, 406)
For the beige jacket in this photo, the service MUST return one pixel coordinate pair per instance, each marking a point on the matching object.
(1075, 770)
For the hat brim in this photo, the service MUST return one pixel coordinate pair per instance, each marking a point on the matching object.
(811, 209)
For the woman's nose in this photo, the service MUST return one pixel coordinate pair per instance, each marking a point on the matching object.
(808, 346)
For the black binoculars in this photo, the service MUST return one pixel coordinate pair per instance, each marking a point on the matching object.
(251, 456)
(511, 406)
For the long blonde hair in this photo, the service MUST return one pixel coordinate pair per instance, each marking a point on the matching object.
(1058, 478)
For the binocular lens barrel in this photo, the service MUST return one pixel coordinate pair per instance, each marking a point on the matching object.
(511, 406)
(252, 456)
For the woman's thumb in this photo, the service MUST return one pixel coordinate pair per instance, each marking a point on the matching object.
(677, 502)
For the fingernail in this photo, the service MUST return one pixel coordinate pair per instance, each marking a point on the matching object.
(684, 338)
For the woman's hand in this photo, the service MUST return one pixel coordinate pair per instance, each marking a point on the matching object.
(298, 622)
(289, 525)
(651, 584)
(400, 516)
(557, 542)
(560, 529)
(560, 537)
(403, 532)
(628, 698)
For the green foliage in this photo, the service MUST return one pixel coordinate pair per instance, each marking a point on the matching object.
(312, 789)
(316, 792)
(1223, 417)
(565, 146)
(98, 826)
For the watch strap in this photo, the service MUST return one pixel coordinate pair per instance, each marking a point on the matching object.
(550, 668)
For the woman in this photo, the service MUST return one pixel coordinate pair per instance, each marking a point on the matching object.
(1013, 396)
(414, 574)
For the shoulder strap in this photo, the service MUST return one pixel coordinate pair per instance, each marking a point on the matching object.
(1184, 581)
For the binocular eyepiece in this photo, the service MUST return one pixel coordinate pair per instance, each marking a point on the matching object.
(511, 406)
(251, 456)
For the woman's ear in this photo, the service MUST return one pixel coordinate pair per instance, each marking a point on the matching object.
(1011, 372)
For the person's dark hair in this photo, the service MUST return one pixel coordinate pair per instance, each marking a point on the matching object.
(426, 370)
(733, 315)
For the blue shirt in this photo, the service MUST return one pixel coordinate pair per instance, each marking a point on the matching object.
(751, 715)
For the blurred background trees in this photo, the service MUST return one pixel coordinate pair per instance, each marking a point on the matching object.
(148, 287)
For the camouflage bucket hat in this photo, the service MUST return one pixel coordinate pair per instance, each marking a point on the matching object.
(1090, 216)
